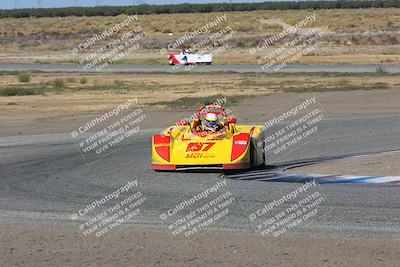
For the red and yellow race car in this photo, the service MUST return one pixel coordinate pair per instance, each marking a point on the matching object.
(211, 141)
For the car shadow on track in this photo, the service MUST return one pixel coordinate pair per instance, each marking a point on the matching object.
(276, 172)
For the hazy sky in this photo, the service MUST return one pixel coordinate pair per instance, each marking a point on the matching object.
(10, 4)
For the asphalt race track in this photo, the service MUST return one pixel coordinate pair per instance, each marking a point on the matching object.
(44, 177)
(138, 68)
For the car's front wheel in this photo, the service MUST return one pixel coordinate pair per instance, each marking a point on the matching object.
(184, 61)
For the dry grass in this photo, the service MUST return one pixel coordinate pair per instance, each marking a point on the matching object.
(339, 20)
(363, 36)
(55, 34)
(106, 90)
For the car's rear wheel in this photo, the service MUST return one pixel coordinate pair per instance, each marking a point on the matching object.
(253, 157)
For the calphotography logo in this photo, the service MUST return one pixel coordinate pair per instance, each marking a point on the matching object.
(105, 133)
(289, 211)
(287, 131)
(111, 46)
(193, 215)
(105, 214)
(283, 34)
(200, 46)
(213, 103)
(274, 56)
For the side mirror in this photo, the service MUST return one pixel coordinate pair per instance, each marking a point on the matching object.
(232, 120)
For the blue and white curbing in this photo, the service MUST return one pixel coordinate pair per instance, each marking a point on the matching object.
(279, 176)
(341, 179)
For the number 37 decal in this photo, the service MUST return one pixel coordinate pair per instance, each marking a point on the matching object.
(196, 147)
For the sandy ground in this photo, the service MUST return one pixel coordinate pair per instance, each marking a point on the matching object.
(52, 246)
(385, 164)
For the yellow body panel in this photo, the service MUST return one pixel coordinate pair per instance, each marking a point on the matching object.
(189, 149)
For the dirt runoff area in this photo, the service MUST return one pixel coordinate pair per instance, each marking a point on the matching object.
(54, 246)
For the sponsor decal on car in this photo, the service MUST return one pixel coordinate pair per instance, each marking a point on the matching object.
(241, 143)
(195, 147)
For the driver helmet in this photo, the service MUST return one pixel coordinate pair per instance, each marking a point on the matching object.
(211, 120)
(186, 51)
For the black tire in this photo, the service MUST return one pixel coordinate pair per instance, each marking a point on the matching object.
(252, 165)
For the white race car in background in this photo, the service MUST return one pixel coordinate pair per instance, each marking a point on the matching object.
(186, 58)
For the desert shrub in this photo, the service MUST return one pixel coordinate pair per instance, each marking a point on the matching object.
(71, 80)
(83, 80)
(58, 83)
(118, 83)
(24, 77)
(16, 91)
